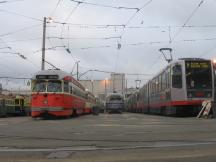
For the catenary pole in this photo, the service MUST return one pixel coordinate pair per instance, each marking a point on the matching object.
(43, 45)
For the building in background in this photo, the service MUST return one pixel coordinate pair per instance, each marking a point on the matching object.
(118, 83)
(101, 88)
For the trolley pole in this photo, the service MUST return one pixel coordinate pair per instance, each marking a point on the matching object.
(170, 58)
(43, 44)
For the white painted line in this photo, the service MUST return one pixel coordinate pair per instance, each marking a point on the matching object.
(92, 148)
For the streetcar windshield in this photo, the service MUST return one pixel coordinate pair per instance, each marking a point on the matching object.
(198, 75)
(54, 86)
(39, 86)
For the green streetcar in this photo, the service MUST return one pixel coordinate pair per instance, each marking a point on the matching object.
(14, 105)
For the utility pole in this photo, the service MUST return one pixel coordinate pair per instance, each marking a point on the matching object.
(77, 69)
(43, 44)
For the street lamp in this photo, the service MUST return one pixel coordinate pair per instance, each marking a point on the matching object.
(106, 87)
(138, 81)
(105, 81)
(214, 62)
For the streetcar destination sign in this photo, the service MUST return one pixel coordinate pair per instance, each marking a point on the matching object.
(199, 64)
(47, 77)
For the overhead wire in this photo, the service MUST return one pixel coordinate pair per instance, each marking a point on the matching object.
(72, 11)
(132, 17)
(21, 15)
(23, 40)
(119, 7)
(123, 30)
(9, 77)
(49, 48)
(5, 48)
(187, 20)
(20, 30)
(11, 1)
(171, 40)
(95, 38)
(54, 10)
(62, 29)
(65, 21)
(107, 26)
(107, 6)
(117, 37)
(112, 72)
(129, 44)
(17, 53)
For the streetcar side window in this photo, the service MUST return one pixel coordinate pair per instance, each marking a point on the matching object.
(66, 87)
(160, 84)
(154, 86)
(75, 91)
(71, 90)
(177, 76)
(168, 78)
(157, 84)
(150, 88)
(17, 101)
(163, 80)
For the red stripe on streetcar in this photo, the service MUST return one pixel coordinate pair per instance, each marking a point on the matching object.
(177, 103)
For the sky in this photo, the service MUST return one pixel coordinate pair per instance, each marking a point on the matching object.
(122, 36)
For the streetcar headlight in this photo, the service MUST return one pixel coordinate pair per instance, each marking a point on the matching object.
(45, 102)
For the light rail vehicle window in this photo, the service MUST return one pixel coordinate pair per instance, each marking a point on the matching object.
(177, 76)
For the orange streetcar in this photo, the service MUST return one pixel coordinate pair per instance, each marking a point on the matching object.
(56, 93)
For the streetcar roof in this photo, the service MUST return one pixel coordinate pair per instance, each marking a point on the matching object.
(61, 74)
